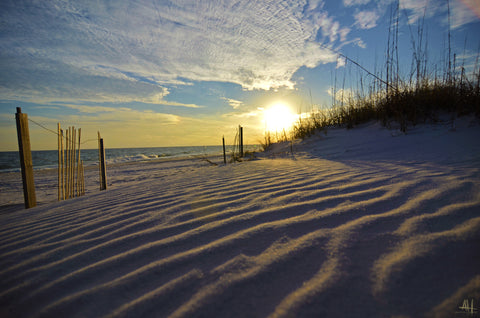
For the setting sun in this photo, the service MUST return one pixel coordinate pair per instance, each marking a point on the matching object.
(278, 117)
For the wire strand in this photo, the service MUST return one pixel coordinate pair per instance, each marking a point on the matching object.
(40, 125)
(56, 133)
(358, 64)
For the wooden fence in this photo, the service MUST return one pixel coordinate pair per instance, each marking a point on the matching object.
(71, 172)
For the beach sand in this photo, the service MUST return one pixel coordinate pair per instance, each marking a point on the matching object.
(365, 222)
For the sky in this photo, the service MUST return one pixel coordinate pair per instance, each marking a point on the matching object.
(158, 73)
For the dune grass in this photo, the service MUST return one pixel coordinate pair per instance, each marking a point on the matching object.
(405, 107)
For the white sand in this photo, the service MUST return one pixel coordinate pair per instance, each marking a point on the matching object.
(359, 223)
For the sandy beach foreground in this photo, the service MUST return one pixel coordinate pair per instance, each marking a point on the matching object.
(356, 223)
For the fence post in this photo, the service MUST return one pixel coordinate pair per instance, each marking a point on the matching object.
(103, 172)
(83, 178)
(26, 163)
(224, 155)
(241, 141)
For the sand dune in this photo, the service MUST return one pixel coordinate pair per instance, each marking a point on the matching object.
(358, 223)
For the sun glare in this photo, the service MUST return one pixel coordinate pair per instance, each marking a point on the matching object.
(279, 117)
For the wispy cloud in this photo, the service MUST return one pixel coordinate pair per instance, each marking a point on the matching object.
(100, 115)
(351, 3)
(233, 102)
(159, 99)
(341, 95)
(330, 28)
(118, 51)
(366, 19)
(95, 109)
(462, 12)
(341, 61)
(416, 9)
(473, 5)
(35, 78)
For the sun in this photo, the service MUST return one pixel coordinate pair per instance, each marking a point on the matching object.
(279, 117)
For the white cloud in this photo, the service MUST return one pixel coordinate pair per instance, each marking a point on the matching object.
(234, 103)
(87, 115)
(143, 45)
(341, 61)
(248, 114)
(315, 5)
(330, 29)
(343, 34)
(360, 43)
(462, 12)
(48, 81)
(351, 3)
(341, 95)
(159, 100)
(366, 19)
(94, 109)
(417, 8)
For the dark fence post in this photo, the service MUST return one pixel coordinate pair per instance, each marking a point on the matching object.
(103, 169)
(241, 141)
(26, 163)
(224, 155)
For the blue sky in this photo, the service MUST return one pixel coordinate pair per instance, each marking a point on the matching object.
(177, 73)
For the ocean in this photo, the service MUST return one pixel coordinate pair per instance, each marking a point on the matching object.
(48, 159)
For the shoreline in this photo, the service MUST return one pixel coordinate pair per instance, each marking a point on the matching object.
(48, 159)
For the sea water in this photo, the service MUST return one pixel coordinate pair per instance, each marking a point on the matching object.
(47, 159)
